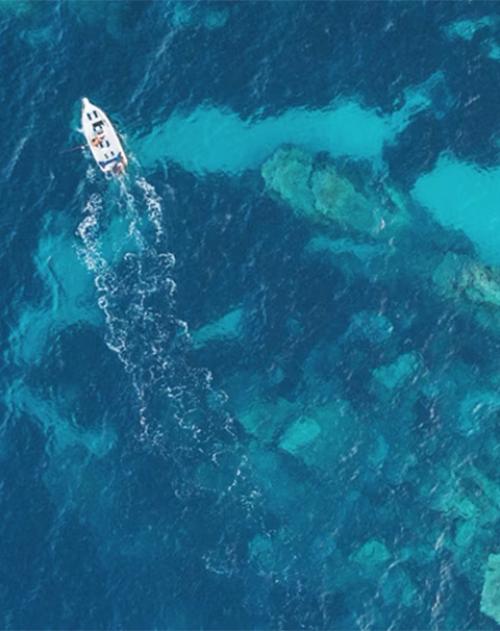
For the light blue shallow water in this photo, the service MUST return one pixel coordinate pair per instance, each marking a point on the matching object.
(255, 383)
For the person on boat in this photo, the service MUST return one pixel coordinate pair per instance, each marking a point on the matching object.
(95, 141)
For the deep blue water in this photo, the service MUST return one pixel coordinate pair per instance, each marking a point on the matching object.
(237, 392)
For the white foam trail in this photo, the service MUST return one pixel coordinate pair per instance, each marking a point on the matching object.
(87, 230)
(91, 173)
(134, 327)
(105, 282)
(135, 293)
(133, 215)
(153, 205)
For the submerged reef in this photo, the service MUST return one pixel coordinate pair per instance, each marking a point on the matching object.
(350, 413)
(399, 373)
(472, 285)
(226, 327)
(67, 301)
(361, 230)
(481, 31)
(461, 276)
(296, 426)
(318, 192)
(186, 15)
(370, 407)
(490, 597)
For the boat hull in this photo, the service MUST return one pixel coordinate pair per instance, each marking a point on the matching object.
(102, 139)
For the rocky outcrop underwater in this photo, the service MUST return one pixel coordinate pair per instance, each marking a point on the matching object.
(376, 221)
(381, 412)
(315, 190)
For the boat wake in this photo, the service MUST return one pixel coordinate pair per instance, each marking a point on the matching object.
(135, 292)
(153, 205)
(130, 287)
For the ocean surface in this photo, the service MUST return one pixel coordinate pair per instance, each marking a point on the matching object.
(255, 383)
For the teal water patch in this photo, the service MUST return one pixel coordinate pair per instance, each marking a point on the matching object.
(113, 20)
(199, 14)
(365, 252)
(372, 554)
(398, 373)
(466, 29)
(75, 472)
(68, 272)
(68, 297)
(494, 51)
(369, 327)
(212, 139)
(490, 596)
(226, 327)
(483, 31)
(17, 8)
(463, 196)
(478, 410)
(265, 419)
(39, 36)
(300, 434)
(63, 432)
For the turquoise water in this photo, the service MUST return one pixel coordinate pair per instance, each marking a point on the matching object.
(454, 191)
(254, 384)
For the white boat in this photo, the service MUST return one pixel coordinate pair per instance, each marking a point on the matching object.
(102, 139)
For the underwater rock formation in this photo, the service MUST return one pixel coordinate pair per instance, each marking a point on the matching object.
(364, 252)
(69, 297)
(371, 224)
(226, 327)
(400, 372)
(336, 199)
(372, 555)
(63, 433)
(316, 190)
(470, 500)
(271, 553)
(398, 588)
(461, 275)
(490, 596)
(319, 420)
(478, 411)
(194, 15)
(369, 327)
(264, 419)
(304, 431)
(288, 173)
(318, 193)
(467, 28)
(326, 434)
